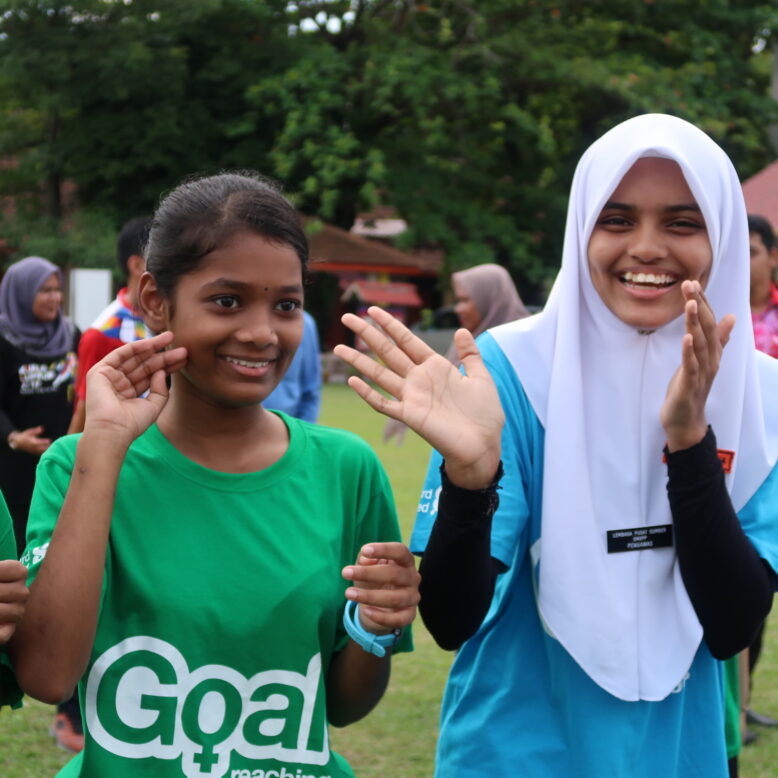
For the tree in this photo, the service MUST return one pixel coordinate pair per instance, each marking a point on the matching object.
(467, 116)
(126, 98)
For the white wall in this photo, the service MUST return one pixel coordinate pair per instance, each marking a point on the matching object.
(89, 291)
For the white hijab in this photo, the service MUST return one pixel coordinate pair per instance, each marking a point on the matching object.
(597, 386)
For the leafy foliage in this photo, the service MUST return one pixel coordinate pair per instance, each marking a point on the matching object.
(467, 116)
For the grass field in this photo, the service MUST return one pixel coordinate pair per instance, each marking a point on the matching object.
(398, 738)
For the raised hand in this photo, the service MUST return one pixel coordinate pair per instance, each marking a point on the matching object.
(683, 411)
(386, 586)
(459, 415)
(116, 383)
(13, 596)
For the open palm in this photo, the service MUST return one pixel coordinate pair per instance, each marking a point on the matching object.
(459, 415)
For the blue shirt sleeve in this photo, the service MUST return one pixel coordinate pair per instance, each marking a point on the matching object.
(522, 457)
(757, 517)
(310, 372)
(299, 391)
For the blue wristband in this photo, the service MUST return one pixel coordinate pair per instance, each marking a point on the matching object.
(369, 641)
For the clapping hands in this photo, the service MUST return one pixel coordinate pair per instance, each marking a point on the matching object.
(683, 411)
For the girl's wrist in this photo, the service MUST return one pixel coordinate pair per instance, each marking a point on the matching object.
(475, 475)
(103, 443)
(685, 437)
(13, 439)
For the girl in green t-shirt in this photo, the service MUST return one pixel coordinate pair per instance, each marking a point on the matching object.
(189, 549)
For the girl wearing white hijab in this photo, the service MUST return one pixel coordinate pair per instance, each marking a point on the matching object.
(589, 607)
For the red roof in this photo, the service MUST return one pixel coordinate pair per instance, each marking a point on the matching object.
(383, 292)
(332, 248)
(761, 193)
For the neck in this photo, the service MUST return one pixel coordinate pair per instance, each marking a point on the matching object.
(131, 295)
(228, 439)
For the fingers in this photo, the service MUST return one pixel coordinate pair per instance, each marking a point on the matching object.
(13, 596)
(130, 368)
(374, 398)
(412, 348)
(709, 337)
(384, 577)
(379, 344)
(469, 354)
(165, 362)
(139, 347)
(383, 376)
(694, 352)
(390, 551)
(12, 571)
(725, 327)
(6, 632)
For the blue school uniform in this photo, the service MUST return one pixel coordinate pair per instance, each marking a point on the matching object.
(516, 703)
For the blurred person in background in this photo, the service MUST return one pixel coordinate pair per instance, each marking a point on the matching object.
(119, 322)
(299, 392)
(764, 317)
(484, 296)
(38, 346)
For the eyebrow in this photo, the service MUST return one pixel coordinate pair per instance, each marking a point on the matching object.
(611, 205)
(231, 283)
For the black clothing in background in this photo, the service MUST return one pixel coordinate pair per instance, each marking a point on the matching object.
(33, 391)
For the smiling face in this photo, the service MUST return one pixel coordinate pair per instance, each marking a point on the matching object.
(48, 299)
(465, 309)
(239, 314)
(649, 237)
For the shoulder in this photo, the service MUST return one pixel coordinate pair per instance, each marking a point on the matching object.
(336, 449)
(340, 442)
(95, 344)
(91, 336)
(110, 310)
(509, 386)
(62, 450)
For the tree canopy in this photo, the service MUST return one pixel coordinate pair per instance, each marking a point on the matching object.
(467, 116)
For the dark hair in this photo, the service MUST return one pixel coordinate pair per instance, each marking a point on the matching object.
(132, 240)
(763, 228)
(202, 214)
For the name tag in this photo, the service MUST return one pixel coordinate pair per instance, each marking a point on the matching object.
(640, 538)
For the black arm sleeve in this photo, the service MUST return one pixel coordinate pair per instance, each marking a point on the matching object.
(457, 570)
(730, 587)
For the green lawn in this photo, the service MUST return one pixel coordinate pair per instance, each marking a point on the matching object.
(398, 738)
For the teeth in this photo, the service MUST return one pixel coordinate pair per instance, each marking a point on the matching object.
(648, 278)
(246, 363)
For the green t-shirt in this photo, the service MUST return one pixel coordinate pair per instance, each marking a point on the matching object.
(221, 605)
(9, 691)
(732, 706)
